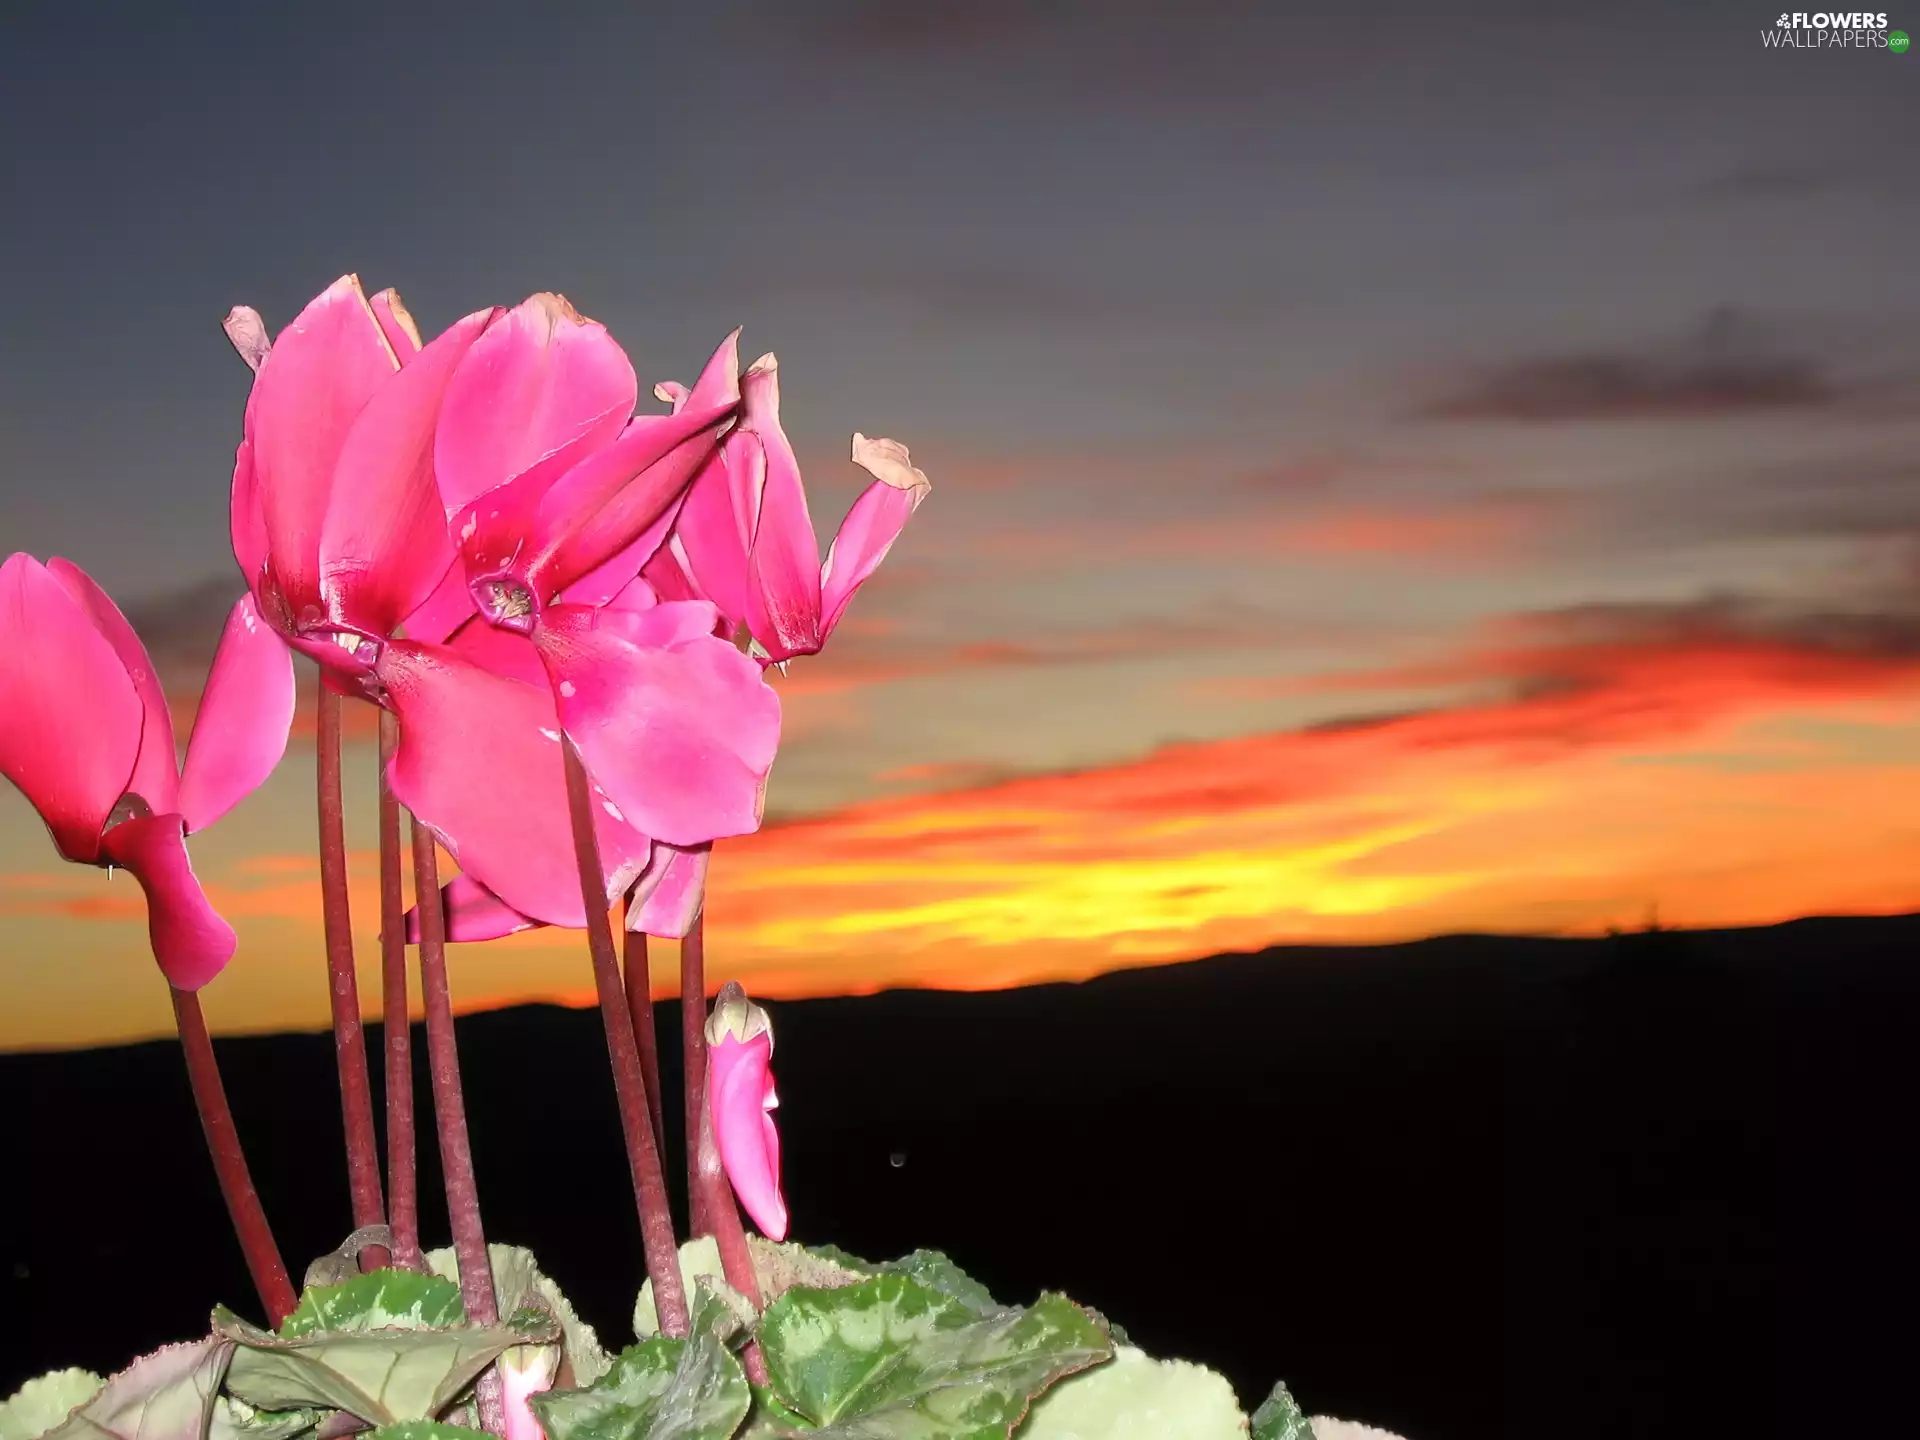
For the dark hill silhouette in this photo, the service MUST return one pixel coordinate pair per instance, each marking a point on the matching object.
(1654, 1185)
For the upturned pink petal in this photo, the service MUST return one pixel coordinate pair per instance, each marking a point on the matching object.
(740, 1095)
(310, 389)
(70, 718)
(383, 542)
(479, 762)
(675, 725)
(716, 522)
(471, 912)
(783, 557)
(607, 501)
(190, 940)
(600, 585)
(670, 891)
(156, 773)
(246, 713)
(871, 526)
(246, 523)
(396, 323)
(543, 382)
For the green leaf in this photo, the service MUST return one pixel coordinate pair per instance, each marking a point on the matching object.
(934, 1270)
(834, 1255)
(777, 1268)
(699, 1266)
(662, 1389)
(378, 1300)
(40, 1404)
(770, 1420)
(890, 1357)
(1138, 1398)
(427, 1430)
(518, 1283)
(236, 1420)
(381, 1376)
(167, 1395)
(1281, 1418)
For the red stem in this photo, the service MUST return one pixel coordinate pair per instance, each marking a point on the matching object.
(349, 1043)
(403, 1181)
(450, 1119)
(230, 1162)
(736, 1260)
(629, 1084)
(639, 983)
(693, 1048)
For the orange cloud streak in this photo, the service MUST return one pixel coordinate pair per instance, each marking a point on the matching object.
(1727, 776)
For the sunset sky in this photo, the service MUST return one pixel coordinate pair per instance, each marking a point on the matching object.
(1395, 471)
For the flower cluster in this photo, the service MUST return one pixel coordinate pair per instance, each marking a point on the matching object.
(479, 535)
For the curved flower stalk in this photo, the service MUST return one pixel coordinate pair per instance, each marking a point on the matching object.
(86, 735)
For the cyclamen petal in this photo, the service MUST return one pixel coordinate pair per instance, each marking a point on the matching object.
(471, 912)
(542, 383)
(396, 323)
(70, 718)
(680, 738)
(383, 543)
(479, 763)
(156, 773)
(740, 1098)
(670, 891)
(246, 714)
(871, 526)
(311, 387)
(190, 941)
(783, 557)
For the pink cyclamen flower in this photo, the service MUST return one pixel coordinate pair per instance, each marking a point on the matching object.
(360, 443)
(744, 540)
(556, 493)
(86, 735)
(336, 520)
(740, 1103)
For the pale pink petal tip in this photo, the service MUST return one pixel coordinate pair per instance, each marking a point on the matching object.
(888, 462)
(248, 332)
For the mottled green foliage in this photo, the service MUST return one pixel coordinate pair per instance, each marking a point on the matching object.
(1281, 1418)
(236, 1420)
(519, 1285)
(770, 1420)
(890, 1357)
(427, 1430)
(661, 1389)
(378, 1300)
(384, 1376)
(934, 1270)
(167, 1395)
(42, 1403)
(1138, 1398)
(699, 1266)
